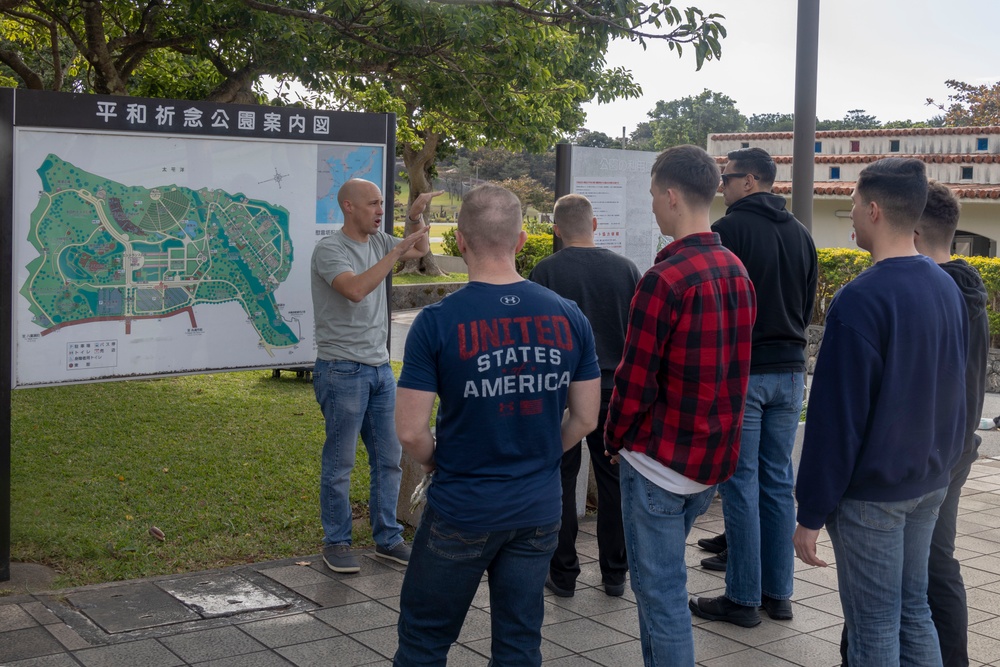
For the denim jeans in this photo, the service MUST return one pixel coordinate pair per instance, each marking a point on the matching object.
(757, 501)
(446, 567)
(657, 523)
(881, 550)
(358, 399)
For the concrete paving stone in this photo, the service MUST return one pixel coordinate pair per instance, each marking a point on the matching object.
(627, 653)
(808, 619)
(978, 616)
(14, 617)
(212, 644)
(481, 599)
(58, 660)
(293, 576)
(330, 594)
(767, 631)
(130, 607)
(341, 651)
(391, 602)
(966, 527)
(990, 563)
(974, 578)
(807, 589)
(67, 636)
(751, 657)
(377, 586)
(477, 625)
(977, 545)
(290, 629)
(590, 574)
(993, 534)
(218, 595)
(571, 661)
(983, 518)
(583, 635)
(555, 613)
(988, 484)
(965, 554)
(624, 620)
(983, 648)
(805, 650)
(591, 601)
(821, 576)
(830, 634)
(828, 602)
(359, 616)
(700, 581)
(27, 643)
(587, 549)
(981, 598)
(40, 613)
(381, 640)
(549, 650)
(143, 653)
(708, 645)
(260, 659)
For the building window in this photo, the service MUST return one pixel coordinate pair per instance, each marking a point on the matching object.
(982, 144)
(744, 144)
(819, 146)
(894, 145)
(834, 173)
(966, 173)
(855, 146)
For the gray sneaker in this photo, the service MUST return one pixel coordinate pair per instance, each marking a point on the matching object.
(399, 553)
(338, 557)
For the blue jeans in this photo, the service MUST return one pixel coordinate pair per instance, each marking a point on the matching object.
(358, 399)
(882, 550)
(757, 501)
(446, 567)
(657, 523)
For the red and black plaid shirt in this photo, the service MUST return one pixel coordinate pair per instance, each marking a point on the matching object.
(680, 389)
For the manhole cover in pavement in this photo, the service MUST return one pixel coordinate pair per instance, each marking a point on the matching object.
(130, 607)
(222, 595)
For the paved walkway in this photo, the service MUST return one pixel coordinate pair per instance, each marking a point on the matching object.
(296, 612)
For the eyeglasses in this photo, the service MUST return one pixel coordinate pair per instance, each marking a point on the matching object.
(726, 177)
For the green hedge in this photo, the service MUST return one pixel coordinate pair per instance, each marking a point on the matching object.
(838, 266)
(536, 248)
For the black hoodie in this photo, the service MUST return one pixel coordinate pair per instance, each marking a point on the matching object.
(780, 258)
(971, 284)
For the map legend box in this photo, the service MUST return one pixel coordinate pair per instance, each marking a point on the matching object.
(92, 354)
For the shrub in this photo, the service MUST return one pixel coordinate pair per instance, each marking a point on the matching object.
(536, 248)
(837, 267)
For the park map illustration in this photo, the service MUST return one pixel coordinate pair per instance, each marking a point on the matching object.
(115, 252)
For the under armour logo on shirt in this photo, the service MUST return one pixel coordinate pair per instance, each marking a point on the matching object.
(510, 300)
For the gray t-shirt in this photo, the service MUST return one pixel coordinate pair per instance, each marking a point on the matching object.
(346, 330)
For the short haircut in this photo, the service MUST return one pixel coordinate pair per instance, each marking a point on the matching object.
(490, 220)
(574, 215)
(756, 161)
(690, 170)
(939, 220)
(899, 186)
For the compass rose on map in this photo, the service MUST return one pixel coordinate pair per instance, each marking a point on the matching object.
(276, 178)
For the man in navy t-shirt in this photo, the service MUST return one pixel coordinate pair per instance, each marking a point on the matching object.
(507, 358)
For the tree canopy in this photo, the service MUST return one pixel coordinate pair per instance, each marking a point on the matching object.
(970, 104)
(689, 120)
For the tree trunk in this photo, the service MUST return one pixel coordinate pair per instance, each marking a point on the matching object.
(418, 167)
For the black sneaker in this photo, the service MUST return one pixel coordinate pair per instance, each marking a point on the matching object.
(715, 544)
(614, 590)
(399, 553)
(717, 562)
(724, 609)
(338, 557)
(778, 610)
(559, 592)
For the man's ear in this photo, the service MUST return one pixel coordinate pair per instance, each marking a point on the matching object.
(521, 240)
(555, 230)
(593, 225)
(460, 241)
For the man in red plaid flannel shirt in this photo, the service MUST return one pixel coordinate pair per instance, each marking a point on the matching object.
(677, 406)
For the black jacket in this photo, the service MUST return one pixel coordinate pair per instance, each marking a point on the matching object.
(780, 257)
(971, 285)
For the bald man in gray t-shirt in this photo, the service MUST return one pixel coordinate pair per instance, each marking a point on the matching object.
(354, 384)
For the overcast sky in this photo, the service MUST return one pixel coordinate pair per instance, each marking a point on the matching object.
(884, 56)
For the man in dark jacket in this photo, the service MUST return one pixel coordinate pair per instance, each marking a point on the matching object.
(780, 258)
(946, 589)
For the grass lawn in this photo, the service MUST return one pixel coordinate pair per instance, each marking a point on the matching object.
(226, 465)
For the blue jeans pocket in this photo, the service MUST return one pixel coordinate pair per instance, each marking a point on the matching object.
(450, 542)
(661, 501)
(345, 368)
(546, 537)
(884, 516)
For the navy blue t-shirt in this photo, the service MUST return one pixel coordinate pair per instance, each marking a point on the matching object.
(501, 358)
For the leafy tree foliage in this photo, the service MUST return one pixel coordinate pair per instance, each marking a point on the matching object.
(641, 138)
(970, 104)
(531, 193)
(691, 119)
(771, 122)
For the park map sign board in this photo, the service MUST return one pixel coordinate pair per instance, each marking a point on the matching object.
(155, 237)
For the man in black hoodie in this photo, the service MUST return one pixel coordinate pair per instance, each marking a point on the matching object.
(759, 509)
(945, 587)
